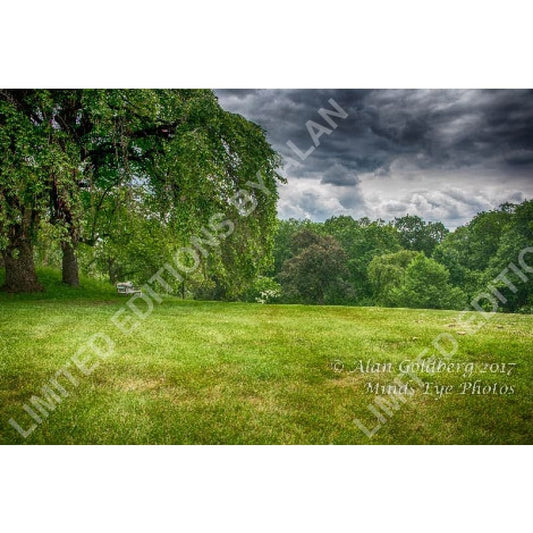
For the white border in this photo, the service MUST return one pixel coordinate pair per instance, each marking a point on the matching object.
(279, 44)
(265, 489)
(337, 44)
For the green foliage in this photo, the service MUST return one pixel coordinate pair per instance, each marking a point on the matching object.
(263, 288)
(477, 253)
(419, 235)
(425, 285)
(362, 240)
(285, 230)
(24, 152)
(387, 272)
(133, 175)
(377, 254)
(316, 272)
(517, 236)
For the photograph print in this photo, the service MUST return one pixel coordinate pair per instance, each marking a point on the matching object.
(266, 266)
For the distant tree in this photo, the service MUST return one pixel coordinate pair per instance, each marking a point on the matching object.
(426, 285)
(344, 228)
(362, 240)
(469, 251)
(316, 273)
(387, 272)
(517, 236)
(484, 233)
(283, 236)
(454, 253)
(418, 235)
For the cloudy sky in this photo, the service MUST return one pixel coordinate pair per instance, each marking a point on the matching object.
(441, 154)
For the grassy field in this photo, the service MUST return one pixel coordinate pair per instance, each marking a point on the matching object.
(232, 373)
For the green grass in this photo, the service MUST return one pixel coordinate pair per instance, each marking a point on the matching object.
(232, 373)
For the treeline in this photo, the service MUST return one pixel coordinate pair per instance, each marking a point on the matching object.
(115, 182)
(405, 263)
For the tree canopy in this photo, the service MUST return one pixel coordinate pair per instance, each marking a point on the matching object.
(419, 235)
(317, 270)
(112, 167)
(386, 266)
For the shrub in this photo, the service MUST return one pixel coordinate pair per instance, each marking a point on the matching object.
(263, 290)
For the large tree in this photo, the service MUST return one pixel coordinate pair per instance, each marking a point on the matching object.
(28, 157)
(105, 152)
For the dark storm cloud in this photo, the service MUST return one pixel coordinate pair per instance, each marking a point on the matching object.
(440, 153)
(340, 176)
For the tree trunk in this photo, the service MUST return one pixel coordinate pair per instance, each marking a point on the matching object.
(20, 268)
(61, 213)
(70, 265)
(112, 270)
